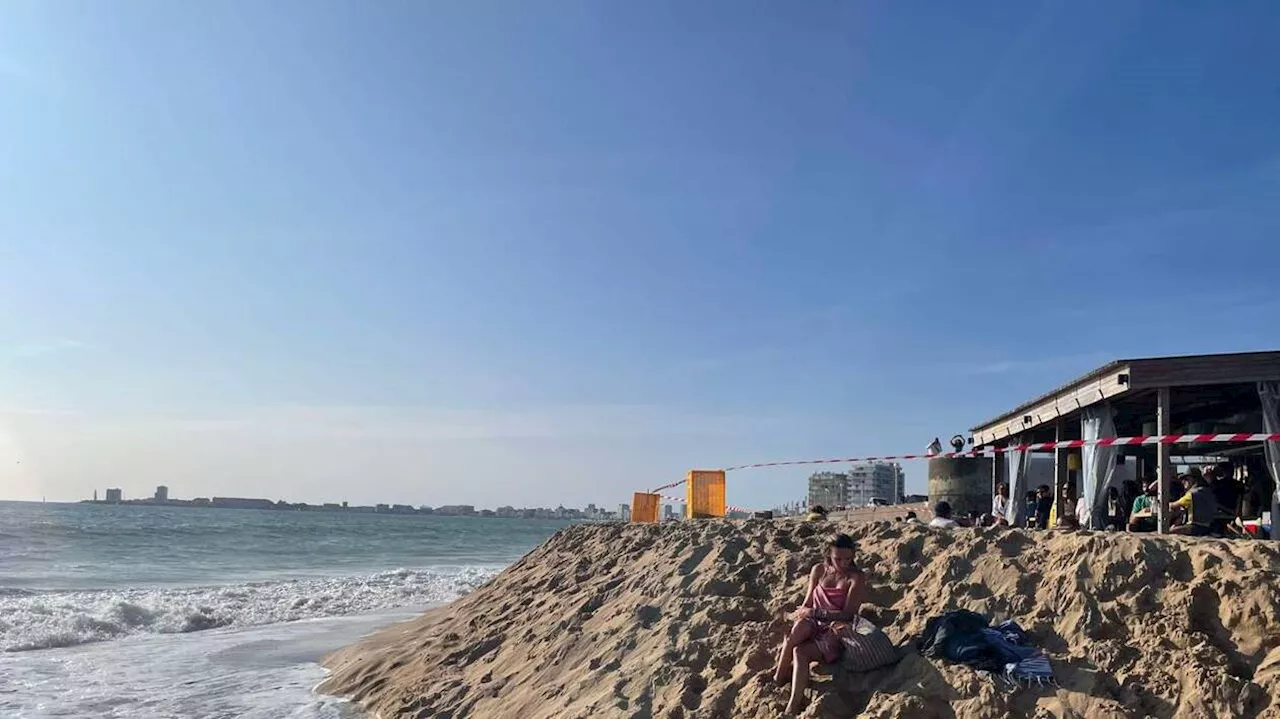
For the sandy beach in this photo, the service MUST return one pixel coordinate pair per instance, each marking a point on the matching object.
(680, 620)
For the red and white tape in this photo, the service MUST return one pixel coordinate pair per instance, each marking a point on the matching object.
(1038, 447)
(681, 500)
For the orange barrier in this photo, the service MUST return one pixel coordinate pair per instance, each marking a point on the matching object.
(644, 507)
(704, 494)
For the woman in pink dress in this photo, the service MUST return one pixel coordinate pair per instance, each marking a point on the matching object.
(835, 593)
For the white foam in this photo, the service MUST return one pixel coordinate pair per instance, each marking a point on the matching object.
(59, 619)
(265, 672)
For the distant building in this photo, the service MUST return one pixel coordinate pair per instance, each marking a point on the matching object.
(402, 508)
(829, 490)
(456, 510)
(624, 512)
(879, 480)
(668, 512)
(162, 494)
(115, 496)
(382, 508)
(242, 503)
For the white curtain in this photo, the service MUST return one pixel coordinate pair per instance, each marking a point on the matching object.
(1019, 468)
(1099, 463)
(1269, 393)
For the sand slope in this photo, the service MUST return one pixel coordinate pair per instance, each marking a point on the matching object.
(678, 621)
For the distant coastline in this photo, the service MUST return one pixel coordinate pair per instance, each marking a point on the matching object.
(591, 513)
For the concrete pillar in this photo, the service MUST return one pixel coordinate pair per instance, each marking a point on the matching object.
(1164, 468)
(963, 482)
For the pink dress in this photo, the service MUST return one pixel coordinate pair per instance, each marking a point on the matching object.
(826, 633)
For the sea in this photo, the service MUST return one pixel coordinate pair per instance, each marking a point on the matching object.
(145, 611)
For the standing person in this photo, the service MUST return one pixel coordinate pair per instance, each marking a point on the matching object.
(1044, 506)
(1000, 503)
(836, 590)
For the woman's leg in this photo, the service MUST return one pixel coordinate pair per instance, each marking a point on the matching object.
(804, 654)
(800, 633)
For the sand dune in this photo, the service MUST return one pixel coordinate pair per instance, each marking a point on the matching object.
(677, 621)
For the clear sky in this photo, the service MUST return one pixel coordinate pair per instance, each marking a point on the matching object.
(552, 252)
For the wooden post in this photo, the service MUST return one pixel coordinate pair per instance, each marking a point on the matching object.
(1164, 468)
(1061, 473)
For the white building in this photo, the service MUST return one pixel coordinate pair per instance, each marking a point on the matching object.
(624, 512)
(875, 480)
(829, 490)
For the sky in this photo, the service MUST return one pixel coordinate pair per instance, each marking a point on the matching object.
(540, 253)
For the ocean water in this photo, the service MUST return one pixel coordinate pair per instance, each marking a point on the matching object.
(134, 611)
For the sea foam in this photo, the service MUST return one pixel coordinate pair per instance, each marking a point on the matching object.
(41, 620)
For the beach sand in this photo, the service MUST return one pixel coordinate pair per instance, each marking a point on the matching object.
(678, 621)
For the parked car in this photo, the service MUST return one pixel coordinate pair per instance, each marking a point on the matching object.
(877, 502)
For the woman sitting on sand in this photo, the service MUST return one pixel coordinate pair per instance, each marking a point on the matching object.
(836, 589)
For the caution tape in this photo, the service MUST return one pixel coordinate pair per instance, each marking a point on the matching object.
(681, 500)
(1038, 447)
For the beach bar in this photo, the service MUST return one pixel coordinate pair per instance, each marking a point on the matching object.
(1195, 394)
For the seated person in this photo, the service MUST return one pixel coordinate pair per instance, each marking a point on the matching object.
(1199, 505)
(1143, 518)
(836, 589)
(1000, 502)
(1030, 504)
(1044, 506)
(816, 514)
(1115, 512)
(1069, 518)
(942, 516)
(1226, 490)
(911, 518)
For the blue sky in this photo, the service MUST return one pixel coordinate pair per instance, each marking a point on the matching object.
(535, 253)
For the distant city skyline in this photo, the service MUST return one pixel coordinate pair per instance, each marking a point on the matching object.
(160, 497)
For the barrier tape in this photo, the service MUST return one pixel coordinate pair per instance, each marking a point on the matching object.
(681, 500)
(1039, 447)
(666, 486)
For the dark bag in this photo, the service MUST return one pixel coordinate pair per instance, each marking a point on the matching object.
(953, 629)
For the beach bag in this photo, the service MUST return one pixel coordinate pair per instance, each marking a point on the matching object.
(865, 646)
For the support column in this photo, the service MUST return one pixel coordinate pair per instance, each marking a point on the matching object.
(1164, 468)
(1061, 472)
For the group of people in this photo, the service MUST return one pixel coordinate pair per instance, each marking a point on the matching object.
(1208, 501)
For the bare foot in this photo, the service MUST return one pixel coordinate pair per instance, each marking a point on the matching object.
(771, 678)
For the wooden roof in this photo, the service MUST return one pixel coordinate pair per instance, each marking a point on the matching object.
(1127, 378)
